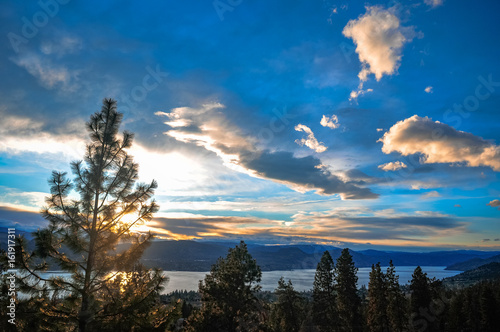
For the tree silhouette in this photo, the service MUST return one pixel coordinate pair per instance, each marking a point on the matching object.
(324, 304)
(287, 313)
(421, 295)
(396, 302)
(348, 301)
(88, 217)
(420, 301)
(228, 295)
(377, 304)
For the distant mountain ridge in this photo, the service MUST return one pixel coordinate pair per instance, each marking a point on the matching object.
(191, 255)
(489, 271)
(200, 256)
(473, 263)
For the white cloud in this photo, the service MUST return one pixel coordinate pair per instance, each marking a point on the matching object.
(393, 166)
(429, 89)
(311, 141)
(355, 94)
(440, 143)
(430, 194)
(48, 74)
(434, 3)
(24, 200)
(62, 46)
(494, 203)
(215, 133)
(379, 39)
(330, 122)
(380, 129)
(24, 135)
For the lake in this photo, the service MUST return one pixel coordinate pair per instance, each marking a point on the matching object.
(302, 280)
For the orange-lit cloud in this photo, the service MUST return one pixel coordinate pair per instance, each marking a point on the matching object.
(311, 141)
(342, 225)
(439, 143)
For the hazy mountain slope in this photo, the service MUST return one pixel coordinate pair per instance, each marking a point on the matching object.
(488, 271)
(473, 263)
(199, 256)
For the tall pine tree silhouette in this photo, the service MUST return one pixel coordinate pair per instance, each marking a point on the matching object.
(324, 304)
(106, 285)
(228, 295)
(397, 306)
(348, 301)
(377, 304)
(287, 312)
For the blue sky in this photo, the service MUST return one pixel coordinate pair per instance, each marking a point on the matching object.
(361, 124)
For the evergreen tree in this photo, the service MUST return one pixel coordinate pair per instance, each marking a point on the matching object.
(83, 234)
(396, 302)
(228, 295)
(421, 297)
(324, 310)
(348, 301)
(455, 314)
(377, 303)
(287, 313)
(488, 308)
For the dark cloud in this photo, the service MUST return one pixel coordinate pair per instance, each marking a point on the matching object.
(358, 177)
(305, 172)
(207, 126)
(314, 227)
(436, 222)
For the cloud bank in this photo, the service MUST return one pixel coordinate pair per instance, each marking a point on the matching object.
(439, 143)
(355, 224)
(207, 127)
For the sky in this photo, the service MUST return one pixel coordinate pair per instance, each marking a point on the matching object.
(348, 123)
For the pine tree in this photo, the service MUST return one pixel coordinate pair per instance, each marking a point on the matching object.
(421, 295)
(324, 298)
(228, 295)
(348, 301)
(488, 309)
(396, 302)
(287, 313)
(377, 304)
(83, 234)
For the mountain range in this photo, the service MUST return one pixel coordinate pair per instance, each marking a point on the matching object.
(473, 263)
(199, 256)
(489, 271)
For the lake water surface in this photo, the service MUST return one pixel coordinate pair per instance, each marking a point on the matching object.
(302, 280)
